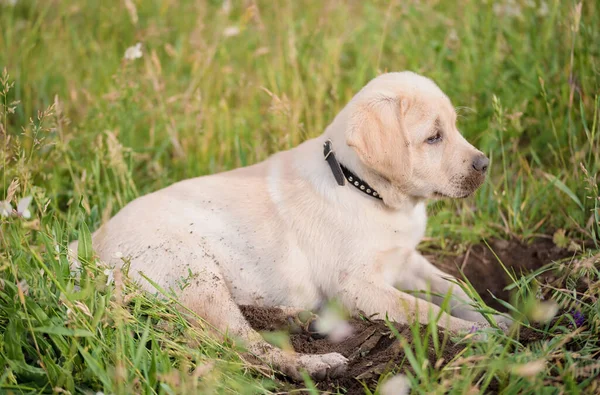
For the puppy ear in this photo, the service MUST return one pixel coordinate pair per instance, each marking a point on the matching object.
(378, 136)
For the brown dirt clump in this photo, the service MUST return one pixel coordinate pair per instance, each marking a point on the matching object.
(373, 349)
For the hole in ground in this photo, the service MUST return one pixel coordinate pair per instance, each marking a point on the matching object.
(373, 350)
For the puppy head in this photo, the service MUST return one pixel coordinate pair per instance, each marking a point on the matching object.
(403, 129)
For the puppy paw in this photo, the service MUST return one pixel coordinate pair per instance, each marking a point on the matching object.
(322, 366)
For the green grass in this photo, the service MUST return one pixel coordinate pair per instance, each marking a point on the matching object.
(84, 131)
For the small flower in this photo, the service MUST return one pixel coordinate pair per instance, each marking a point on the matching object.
(23, 207)
(473, 329)
(118, 255)
(578, 317)
(331, 322)
(396, 385)
(134, 52)
(5, 208)
(109, 276)
(231, 31)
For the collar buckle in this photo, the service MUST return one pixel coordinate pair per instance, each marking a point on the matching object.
(336, 169)
(341, 173)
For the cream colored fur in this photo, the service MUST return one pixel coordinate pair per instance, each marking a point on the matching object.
(282, 232)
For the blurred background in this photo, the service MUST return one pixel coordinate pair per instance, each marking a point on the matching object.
(219, 84)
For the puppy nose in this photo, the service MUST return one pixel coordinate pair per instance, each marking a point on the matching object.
(481, 163)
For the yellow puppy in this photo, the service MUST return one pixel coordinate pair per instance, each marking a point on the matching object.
(339, 216)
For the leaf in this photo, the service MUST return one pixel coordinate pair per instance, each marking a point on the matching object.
(84, 248)
(560, 185)
(13, 338)
(27, 371)
(95, 367)
(61, 330)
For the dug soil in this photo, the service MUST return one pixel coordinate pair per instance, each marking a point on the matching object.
(481, 265)
(373, 349)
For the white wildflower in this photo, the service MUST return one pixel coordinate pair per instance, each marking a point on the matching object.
(118, 255)
(110, 277)
(23, 207)
(231, 31)
(5, 208)
(331, 322)
(134, 52)
(396, 385)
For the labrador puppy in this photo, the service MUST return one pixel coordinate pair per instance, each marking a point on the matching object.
(338, 217)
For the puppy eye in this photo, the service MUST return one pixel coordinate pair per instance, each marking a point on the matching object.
(434, 139)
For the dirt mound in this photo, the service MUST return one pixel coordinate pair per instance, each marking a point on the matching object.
(481, 267)
(373, 349)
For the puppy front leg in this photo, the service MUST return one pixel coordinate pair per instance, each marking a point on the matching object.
(426, 276)
(378, 299)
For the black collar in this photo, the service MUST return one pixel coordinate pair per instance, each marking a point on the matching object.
(341, 173)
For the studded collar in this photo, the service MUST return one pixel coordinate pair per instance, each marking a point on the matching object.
(343, 174)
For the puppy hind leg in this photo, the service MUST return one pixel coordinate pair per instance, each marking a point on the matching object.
(211, 300)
